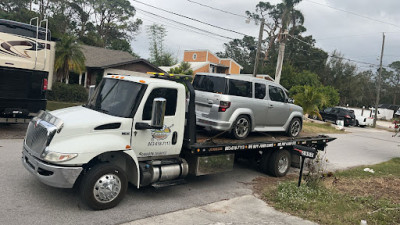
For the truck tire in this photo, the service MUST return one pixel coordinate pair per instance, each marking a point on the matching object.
(103, 186)
(264, 162)
(294, 128)
(279, 163)
(241, 127)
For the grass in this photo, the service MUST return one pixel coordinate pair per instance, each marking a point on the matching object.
(53, 105)
(326, 128)
(347, 198)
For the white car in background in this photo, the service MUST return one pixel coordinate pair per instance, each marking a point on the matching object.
(363, 121)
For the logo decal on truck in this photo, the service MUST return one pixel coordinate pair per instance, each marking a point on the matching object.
(161, 134)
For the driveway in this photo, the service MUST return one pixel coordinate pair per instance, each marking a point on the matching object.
(26, 200)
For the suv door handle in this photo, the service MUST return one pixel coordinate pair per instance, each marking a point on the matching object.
(210, 102)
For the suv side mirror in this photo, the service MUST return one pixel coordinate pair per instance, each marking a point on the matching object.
(158, 113)
(290, 100)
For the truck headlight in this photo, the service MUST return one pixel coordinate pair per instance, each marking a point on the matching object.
(59, 157)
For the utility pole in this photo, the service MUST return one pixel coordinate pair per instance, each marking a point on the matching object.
(260, 36)
(378, 92)
(281, 54)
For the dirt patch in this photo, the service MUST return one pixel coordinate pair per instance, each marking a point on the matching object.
(12, 131)
(261, 184)
(376, 187)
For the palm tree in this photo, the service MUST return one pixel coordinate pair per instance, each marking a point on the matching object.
(69, 57)
(310, 99)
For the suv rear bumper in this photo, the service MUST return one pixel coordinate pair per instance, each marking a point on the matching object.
(56, 176)
(213, 124)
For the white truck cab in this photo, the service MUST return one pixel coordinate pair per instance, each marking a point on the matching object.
(115, 128)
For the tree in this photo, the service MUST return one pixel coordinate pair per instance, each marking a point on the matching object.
(243, 51)
(278, 18)
(394, 79)
(310, 99)
(183, 68)
(158, 55)
(69, 57)
(292, 78)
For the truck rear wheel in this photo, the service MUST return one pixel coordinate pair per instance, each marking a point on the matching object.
(103, 186)
(279, 163)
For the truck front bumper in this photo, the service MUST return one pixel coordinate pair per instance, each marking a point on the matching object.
(56, 176)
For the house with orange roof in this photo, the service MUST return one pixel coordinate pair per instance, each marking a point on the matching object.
(208, 62)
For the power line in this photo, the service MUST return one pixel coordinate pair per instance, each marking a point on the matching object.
(333, 56)
(355, 14)
(190, 18)
(176, 26)
(184, 24)
(221, 10)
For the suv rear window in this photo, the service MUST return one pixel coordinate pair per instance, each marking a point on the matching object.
(210, 84)
(240, 88)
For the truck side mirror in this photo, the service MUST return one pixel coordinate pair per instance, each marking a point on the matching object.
(158, 113)
(91, 91)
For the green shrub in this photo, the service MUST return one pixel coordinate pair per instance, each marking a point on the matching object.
(67, 93)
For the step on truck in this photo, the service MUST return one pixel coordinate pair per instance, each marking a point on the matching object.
(27, 55)
(143, 131)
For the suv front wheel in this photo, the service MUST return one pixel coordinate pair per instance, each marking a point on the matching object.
(241, 127)
(294, 127)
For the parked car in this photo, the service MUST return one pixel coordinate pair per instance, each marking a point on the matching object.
(334, 114)
(241, 104)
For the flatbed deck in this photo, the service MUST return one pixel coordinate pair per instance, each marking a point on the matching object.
(216, 144)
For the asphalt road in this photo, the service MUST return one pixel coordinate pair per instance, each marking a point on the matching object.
(25, 200)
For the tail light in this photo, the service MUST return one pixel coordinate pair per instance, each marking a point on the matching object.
(45, 84)
(347, 116)
(223, 106)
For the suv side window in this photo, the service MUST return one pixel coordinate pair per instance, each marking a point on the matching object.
(240, 88)
(259, 91)
(276, 94)
(169, 94)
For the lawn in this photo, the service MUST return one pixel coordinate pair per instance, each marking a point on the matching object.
(346, 197)
(53, 105)
(319, 128)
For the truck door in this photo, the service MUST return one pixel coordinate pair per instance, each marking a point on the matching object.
(165, 141)
(278, 108)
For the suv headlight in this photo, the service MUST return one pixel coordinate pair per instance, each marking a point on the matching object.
(59, 157)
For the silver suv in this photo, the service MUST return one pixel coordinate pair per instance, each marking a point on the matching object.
(242, 103)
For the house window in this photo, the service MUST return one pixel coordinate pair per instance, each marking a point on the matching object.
(194, 56)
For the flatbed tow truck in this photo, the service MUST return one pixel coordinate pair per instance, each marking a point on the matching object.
(143, 131)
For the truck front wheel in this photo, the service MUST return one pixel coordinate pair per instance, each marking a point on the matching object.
(103, 186)
(279, 163)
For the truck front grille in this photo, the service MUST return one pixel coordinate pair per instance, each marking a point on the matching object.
(36, 136)
(41, 131)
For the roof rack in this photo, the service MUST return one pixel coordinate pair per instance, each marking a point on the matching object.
(169, 76)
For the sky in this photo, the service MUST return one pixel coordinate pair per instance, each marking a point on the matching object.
(354, 28)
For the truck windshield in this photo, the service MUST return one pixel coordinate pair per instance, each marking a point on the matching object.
(116, 97)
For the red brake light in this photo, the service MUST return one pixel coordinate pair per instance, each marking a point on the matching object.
(347, 116)
(223, 106)
(45, 84)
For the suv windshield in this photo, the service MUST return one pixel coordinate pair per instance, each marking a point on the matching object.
(210, 84)
(116, 97)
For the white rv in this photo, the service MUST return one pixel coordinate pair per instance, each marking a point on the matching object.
(26, 68)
